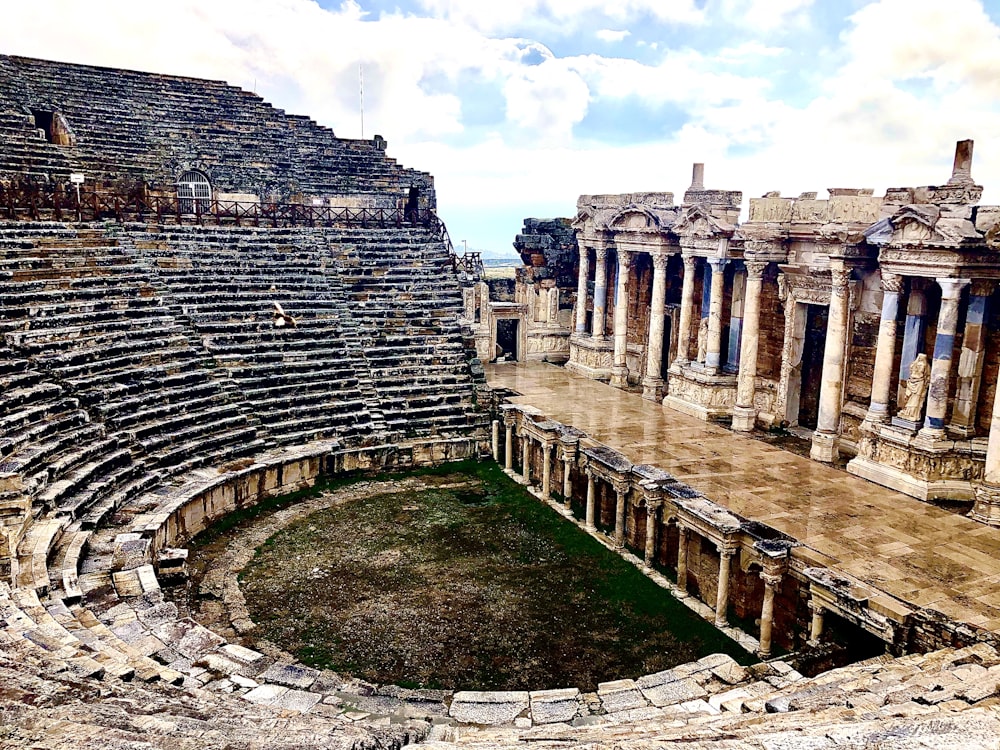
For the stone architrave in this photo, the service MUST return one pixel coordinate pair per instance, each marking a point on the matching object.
(824, 445)
(687, 307)
(885, 352)
(619, 370)
(944, 346)
(713, 353)
(600, 292)
(652, 384)
(581, 291)
(744, 412)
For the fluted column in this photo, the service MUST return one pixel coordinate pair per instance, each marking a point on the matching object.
(885, 352)
(687, 303)
(970, 362)
(744, 412)
(581, 290)
(713, 350)
(546, 471)
(652, 384)
(589, 522)
(726, 553)
(619, 370)
(771, 583)
(652, 511)
(682, 558)
(824, 444)
(621, 496)
(600, 292)
(944, 346)
(525, 458)
(987, 507)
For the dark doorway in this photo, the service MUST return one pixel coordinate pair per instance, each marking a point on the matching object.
(507, 339)
(411, 213)
(667, 344)
(812, 364)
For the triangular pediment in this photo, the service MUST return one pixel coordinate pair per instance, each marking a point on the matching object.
(916, 224)
(696, 221)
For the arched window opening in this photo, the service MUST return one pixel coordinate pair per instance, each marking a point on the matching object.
(194, 193)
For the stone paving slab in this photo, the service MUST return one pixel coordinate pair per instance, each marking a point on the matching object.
(552, 706)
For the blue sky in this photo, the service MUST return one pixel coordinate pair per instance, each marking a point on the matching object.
(519, 107)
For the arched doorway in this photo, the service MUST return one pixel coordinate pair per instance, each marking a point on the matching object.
(194, 193)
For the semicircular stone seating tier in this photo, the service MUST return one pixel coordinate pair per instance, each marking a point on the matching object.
(132, 415)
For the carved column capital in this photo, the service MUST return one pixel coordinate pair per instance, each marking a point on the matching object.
(727, 548)
(621, 486)
(717, 264)
(838, 281)
(547, 449)
(689, 262)
(755, 268)
(892, 282)
(600, 254)
(682, 529)
(660, 261)
(952, 288)
(624, 258)
(771, 580)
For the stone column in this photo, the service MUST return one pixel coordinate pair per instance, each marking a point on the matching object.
(987, 507)
(687, 303)
(621, 496)
(771, 583)
(816, 627)
(508, 446)
(713, 351)
(970, 362)
(525, 458)
(652, 384)
(744, 412)
(581, 291)
(824, 444)
(726, 553)
(619, 370)
(567, 485)
(652, 509)
(885, 352)
(589, 522)
(736, 314)
(913, 333)
(546, 471)
(682, 559)
(944, 346)
(496, 440)
(600, 292)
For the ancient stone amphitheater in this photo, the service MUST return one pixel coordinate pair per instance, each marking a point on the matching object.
(234, 305)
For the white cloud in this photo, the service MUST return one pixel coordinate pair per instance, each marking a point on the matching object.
(612, 35)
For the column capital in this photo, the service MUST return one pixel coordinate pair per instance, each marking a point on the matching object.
(546, 448)
(892, 282)
(815, 607)
(727, 548)
(689, 262)
(600, 254)
(660, 261)
(952, 288)
(717, 264)
(771, 579)
(838, 280)
(983, 287)
(755, 268)
(624, 258)
(682, 528)
(621, 486)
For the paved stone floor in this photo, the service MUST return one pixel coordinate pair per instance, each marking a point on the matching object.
(915, 551)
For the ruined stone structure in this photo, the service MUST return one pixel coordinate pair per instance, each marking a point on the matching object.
(810, 315)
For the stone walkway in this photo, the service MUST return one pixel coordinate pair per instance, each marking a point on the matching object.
(915, 551)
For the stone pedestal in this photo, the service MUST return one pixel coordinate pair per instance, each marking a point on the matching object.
(697, 393)
(590, 357)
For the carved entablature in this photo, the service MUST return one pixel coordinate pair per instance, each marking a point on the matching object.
(843, 207)
(703, 234)
(957, 194)
(803, 285)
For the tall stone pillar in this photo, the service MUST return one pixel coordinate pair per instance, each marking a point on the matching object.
(621, 496)
(913, 333)
(568, 455)
(652, 384)
(546, 471)
(619, 370)
(771, 582)
(687, 305)
(652, 517)
(726, 552)
(495, 440)
(589, 522)
(713, 352)
(736, 315)
(581, 290)
(682, 559)
(824, 444)
(525, 458)
(744, 412)
(944, 346)
(600, 292)
(816, 626)
(987, 507)
(970, 362)
(885, 352)
(508, 445)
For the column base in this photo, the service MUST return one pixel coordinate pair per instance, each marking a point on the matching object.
(987, 507)
(744, 418)
(824, 448)
(653, 389)
(928, 437)
(619, 377)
